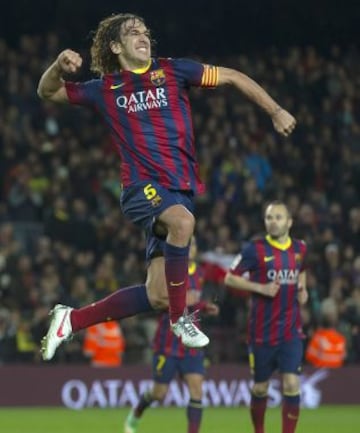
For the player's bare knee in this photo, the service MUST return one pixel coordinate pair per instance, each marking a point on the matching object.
(195, 390)
(182, 227)
(159, 393)
(156, 285)
(158, 300)
(291, 385)
(260, 389)
(194, 383)
(196, 394)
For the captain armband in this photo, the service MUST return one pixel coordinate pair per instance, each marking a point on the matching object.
(210, 76)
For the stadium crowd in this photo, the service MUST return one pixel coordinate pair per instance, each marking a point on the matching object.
(63, 237)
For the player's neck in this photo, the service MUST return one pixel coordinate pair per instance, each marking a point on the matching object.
(282, 239)
(136, 68)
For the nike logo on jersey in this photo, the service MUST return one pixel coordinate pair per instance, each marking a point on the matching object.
(59, 332)
(268, 258)
(176, 284)
(116, 86)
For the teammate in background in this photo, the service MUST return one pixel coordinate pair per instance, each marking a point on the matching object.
(144, 102)
(171, 357)
(272, 269)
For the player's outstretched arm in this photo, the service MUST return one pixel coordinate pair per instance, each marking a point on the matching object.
(51, 85)
(237, 282)
(303, 294)
(283, 122)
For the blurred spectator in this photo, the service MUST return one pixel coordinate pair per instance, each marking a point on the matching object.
(82, 229)
(327, 346)
(104, 344)
(27, 349)
(57, 222)
(7, 337)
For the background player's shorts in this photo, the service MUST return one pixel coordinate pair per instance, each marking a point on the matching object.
(165, 368)
(144, 202)
(265, 359)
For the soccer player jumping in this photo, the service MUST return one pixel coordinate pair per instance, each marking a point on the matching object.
(144, 102)
(272, 269)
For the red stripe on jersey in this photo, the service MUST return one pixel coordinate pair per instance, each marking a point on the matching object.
(137, 134)
(110, 107)
(303, 250)
(276, 301)
(169, 341)
(113, 114)
(260, 301)
(157, 337)
(180, 350)
(290, 295)
(174, 97)
(157, 122)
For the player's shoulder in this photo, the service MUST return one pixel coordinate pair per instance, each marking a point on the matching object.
(300, 246)
(91, 82)
(164, 61)
(300, 242)
(110, 78)
(258, 241)
(178, 62)
(245, 257)
(97, 80)
(250, 247)
(94, 85)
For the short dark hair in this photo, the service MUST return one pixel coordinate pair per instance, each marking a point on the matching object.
(278, 203)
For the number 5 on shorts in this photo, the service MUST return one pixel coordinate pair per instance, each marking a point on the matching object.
(149, 191)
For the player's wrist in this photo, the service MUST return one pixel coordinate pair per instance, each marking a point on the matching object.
(276, 111)
(57, 68)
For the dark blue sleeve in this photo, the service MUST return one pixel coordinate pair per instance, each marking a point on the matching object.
(188, 71)
(83, 93)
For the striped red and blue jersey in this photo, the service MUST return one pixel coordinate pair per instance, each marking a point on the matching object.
(149, 117)
(273, 320)
(165, 341)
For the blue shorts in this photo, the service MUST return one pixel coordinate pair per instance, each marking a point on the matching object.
(285, 357)
(144, 202)
(165, 368)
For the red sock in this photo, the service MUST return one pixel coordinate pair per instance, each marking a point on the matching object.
(177, 275)
(290, 413)
(123, 303)
(257, 411)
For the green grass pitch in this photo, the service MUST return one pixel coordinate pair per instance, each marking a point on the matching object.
(326, 419)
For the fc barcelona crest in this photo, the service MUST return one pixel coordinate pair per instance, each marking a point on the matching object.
(298, 257)
(155, 202)
(157, 77)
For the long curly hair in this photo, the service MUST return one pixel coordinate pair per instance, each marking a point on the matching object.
(103, 60)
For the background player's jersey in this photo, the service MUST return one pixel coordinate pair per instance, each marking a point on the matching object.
(150, 119)
(273, 320)
(165, 341)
